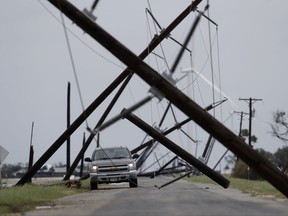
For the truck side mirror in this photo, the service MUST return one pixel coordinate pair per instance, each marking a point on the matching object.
(135, 156)
(87, 159)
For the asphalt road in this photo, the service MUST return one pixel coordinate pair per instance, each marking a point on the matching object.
(179, 198)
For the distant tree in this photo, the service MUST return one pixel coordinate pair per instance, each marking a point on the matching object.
(9, 170)
(280, 125)
(232, 159)
(281, 159)
(242, 170)
(245, 134)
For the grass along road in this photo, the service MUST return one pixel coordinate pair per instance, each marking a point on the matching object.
(262, 189)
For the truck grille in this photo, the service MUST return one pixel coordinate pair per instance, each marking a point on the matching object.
(112, 169)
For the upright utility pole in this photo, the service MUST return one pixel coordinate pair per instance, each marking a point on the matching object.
(31, 152)
(241, 120)
(250, 101)
(68, 125)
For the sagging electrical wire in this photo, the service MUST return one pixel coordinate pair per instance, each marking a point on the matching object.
(73, 66)
(78, 38)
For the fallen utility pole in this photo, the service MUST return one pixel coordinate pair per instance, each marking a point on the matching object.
(163, 167)
(153, 44)
(176, 126)
(147, 152)
(151, 165)
(174, 180)
(178, 98)
(120, 116)
(177, 150)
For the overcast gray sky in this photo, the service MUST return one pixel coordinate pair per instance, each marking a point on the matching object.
(250, 45)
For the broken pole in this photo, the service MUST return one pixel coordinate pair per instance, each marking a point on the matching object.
(142, 172)
(174, 180)
(176, 126)
(177, 150)
(163, 167)
(152, 45)
(192, 30)
(120, 116)
(178, 98)
(147, 152)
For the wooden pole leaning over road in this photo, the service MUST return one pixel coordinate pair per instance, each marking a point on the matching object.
(179, 99)
(177, 150)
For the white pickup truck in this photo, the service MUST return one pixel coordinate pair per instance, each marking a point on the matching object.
(112, 165)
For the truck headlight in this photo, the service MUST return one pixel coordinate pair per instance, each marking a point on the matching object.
(132, 166)
(94, 168)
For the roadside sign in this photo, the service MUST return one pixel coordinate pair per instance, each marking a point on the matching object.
(3, 154)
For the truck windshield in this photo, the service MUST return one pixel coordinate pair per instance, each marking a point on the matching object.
(117, 153)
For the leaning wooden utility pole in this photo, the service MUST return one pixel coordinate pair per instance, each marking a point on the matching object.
(178, 98)
(177, 150)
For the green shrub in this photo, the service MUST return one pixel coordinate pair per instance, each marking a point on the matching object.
(243, 171)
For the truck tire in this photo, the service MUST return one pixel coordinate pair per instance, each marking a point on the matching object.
(133, 183)
(93, 185)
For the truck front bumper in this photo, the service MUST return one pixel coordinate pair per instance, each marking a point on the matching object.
(113, 177)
